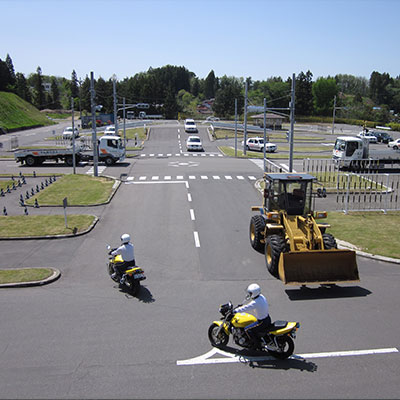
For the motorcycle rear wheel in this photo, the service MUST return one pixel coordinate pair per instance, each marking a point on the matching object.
(133, 286)
(216, 340)
(286, 345)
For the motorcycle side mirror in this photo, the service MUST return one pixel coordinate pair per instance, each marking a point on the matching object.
(108, 247)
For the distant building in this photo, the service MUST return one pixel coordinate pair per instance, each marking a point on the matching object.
(46, 87)
(273, 121)
(206, 106)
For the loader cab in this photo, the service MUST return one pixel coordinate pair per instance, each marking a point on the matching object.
(289, 192)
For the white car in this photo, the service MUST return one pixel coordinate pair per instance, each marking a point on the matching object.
(67, 133)
(257, 144)
(395, 145)
(110, 130)
(194, 143)
(190, 126)
(371, 138)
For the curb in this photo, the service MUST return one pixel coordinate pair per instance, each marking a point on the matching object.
(52, 278)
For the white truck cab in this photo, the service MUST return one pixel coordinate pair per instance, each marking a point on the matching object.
(111, 149)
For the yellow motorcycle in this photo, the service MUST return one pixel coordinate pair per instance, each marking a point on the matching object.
(277, 340)
(131, 277)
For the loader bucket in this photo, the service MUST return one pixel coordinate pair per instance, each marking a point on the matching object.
(318, 267)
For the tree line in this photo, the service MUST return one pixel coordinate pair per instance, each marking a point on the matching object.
(170, 90)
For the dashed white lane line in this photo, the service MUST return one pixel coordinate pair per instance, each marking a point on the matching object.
(192, 217)
(189, 196)
(234, 358)
(196, 239)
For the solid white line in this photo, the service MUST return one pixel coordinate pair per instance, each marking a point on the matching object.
(192, 217)
(196, 239)
(233, 358)
(349, 353)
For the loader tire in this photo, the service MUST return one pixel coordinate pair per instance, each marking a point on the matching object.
(329, 241)
(274, 246)
(257, 228)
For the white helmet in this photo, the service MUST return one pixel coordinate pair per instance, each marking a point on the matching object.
(125, 238)
(253, 291)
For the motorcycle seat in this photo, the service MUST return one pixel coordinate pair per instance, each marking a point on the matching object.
(277, 325)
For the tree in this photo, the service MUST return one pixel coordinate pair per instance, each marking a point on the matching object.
(324, 91)
(170, 104)
(10, 67)
(85, 95)
(210, 85)
(38, 96)
(55, 94)
(74, 85)
(378, 87)
(231, 88)
(5, 78)
(304, 95)
(21, 87)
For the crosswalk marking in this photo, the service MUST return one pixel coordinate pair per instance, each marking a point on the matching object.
(182, 154)
(100, 169)
(192, 177)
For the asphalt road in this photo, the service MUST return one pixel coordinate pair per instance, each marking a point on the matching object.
(81, 337)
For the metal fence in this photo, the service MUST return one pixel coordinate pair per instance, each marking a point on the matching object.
(366, 191)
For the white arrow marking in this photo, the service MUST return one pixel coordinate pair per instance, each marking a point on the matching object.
(234, 358)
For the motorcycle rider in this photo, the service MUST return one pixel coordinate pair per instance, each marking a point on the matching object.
(127, 254)
(258, 307)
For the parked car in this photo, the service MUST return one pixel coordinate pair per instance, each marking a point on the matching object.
(67, 133)
(367, 135)
(395, 144)
(211, 118)
(257, 144)
(383, 137)
(194, 143)
(190, 126)
(110, 130)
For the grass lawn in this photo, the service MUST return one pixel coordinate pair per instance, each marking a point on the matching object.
(372, 232)
(79, 189)
(43, 225)
(230, 151)
(24, 275)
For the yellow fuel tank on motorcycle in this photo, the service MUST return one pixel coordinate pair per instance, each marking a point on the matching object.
(241, 320)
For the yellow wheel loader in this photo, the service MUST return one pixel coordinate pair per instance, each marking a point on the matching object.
(297, 249)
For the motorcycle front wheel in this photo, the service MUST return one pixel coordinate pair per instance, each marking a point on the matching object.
(217, 340)
(286, 347)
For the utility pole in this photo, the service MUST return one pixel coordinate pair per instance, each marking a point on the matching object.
(94, 136)
(292, 123)
(235, 127)
(123, 104)
(333, 119)
(73, 136)
(115, 103)
(245, 119)
(265, 128)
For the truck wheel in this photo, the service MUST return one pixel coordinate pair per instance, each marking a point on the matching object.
(109, 161)
(274, 246)
(30, 161)
(257, 227)
(329, 241)
(69, 161)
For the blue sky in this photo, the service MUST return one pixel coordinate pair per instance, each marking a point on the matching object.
(253, 38)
